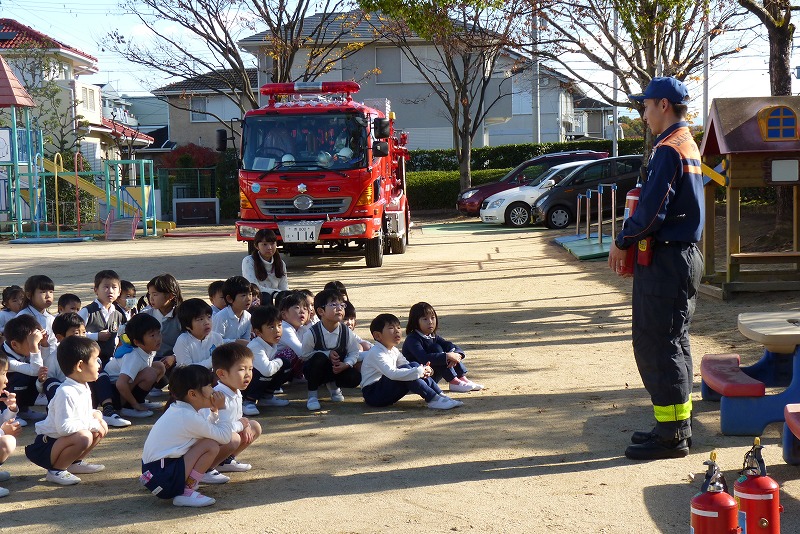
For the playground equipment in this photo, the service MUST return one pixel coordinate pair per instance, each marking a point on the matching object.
(588, 245)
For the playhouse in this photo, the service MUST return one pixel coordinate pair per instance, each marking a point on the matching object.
(757, 137)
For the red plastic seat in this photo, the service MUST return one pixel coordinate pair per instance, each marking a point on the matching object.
(722, 374)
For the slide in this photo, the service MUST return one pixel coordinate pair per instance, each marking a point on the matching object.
(87, 186)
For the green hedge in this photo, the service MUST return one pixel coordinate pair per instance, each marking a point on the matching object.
(428, 190)
(505, 156)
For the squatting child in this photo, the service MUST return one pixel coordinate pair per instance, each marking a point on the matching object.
(234, 321)
(270, 372)
(23, 336)
(10, 428)
(102, 318)
(64, 326)
(197, 342)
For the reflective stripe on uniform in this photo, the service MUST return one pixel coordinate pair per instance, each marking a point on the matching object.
(673, 412)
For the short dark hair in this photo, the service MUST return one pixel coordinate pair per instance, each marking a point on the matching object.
(166, 283)
(65, 321)
(75, 349)
(126, 285)
(190, 310)
(139, 325)
(278, 297)
(337, 286)
(67, 299)
(227, 355)
(106, 274)
(215, 287)
(417, 312)
(292, 299)
(325, 297)
(380, 322)
(184, 379)
(680, 110)
(20, 327)
(264, 315)
(235, 285)
(349, 310)
(38, 281)
(254, 289)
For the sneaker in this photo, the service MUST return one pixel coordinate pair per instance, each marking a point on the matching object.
(214, 477)
(457, 402)
(249, 408)
(65, 478)
(313, 404)
(156, 393)
(195, 500)
(112, 419)
(337, 396)
(22, 422)
(460, 388)
(442, 403)
(4, 475)
(41, 400)
(30, 415)
(153, 405)
(4, 492)
(231, 465)
(81, 468)
(273, 401)
(475, 386)
(130, 412)
(277, 391)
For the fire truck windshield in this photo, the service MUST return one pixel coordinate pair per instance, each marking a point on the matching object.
(304, 141)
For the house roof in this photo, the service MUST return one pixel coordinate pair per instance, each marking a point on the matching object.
(733, 126)
(26, 37)
(218, 80)
(120, 130)
(11, 91)
(585, 102)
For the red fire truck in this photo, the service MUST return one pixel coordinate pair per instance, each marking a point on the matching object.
(320, 169)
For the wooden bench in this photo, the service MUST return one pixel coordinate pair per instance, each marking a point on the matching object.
(791, 429)
(722, 374)
(741, 258)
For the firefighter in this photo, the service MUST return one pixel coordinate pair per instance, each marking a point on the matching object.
(670, 210)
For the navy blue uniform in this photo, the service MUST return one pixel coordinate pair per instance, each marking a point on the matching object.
(671, 210)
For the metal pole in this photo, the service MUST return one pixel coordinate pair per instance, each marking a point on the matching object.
(588, 211)
(537, 118)
(578, 216)
(78, 158)
(600, 214)
(17, 200)
(58, 162)
(614, 213)
(706, 38)
(615, 122)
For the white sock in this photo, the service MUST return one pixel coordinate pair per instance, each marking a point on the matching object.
(312, 394)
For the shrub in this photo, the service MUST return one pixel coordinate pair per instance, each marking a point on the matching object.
(429, 190)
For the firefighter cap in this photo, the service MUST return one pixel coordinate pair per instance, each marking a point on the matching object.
(670, 88)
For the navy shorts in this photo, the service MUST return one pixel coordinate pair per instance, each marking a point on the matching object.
(167, 477)
(39, 452)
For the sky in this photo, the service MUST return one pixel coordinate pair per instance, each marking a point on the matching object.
(83, 25)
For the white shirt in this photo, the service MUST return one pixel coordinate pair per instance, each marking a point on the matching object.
(105, 312)
(179, 428)
(6, 415)
(330, 342)
(129, 365)
(51, 362)
(264, 357)
(27, 365)
(269, 285)
(190, 350)
(230, 326)
(214, 310)
(5, 316)
(45, 319)
(291, 338)
(380, 361)
(232, 413)
(69, 411)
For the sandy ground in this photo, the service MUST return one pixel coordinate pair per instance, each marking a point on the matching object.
(540, 450)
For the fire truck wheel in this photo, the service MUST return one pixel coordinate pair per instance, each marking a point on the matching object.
(399, 244)
(250, 247)
(374, 251)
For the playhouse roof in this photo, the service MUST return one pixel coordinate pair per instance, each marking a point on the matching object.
(11, 91)
(733, 126)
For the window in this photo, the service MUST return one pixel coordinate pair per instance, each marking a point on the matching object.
(778, 123)
(198, 106)
(592, 175)
(388, 60)
(85, 97)
(90, 96)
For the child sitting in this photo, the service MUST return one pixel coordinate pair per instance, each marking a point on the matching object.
(183, 444)
(38, 299)
(233, 365)
(216, 297)
(69, 302)
(330, 351)
(311, 312)
(255, 297)
(197, 342)
(264, 267)
(126, 301)
(423, 344)
(72, 428)
(125, 381)
(269, 371)
(13, 300)
(386, 376)
(23, 334)
(293, 317)
(164, 295)
(9, 426)
(350, 322)
(64, 326)
(234, 321)
(102, 318)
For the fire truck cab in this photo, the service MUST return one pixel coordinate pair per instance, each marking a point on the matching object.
(320, 169)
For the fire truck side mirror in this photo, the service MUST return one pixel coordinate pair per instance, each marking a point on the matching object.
(381, 128)
(380, 149)
(222, 140)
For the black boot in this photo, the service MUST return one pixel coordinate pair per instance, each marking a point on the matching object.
(639, 437)
(657, 449)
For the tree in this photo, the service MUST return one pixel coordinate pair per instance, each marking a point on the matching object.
(776, 16)
(468, 42)
(632, 127)
(205, 47)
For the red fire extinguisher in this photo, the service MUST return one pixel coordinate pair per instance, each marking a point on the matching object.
(714, 511)
(757, 495)
(642, 253)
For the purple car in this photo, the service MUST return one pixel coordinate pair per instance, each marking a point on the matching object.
(469, 201)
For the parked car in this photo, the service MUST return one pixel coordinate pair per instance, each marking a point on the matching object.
(469, 201)
(556, 207)
(513, 206)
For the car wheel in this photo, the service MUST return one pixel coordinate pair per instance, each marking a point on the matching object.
(518, 215)
(558, 217)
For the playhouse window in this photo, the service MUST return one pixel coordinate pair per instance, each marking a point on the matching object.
(781, 124)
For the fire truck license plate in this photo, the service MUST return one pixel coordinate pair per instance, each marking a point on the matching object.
(300, 233)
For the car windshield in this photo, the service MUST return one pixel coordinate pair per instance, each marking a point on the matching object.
(304, 142)
(547, 175)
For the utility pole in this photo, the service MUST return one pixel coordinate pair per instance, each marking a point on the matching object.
(535, 108)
